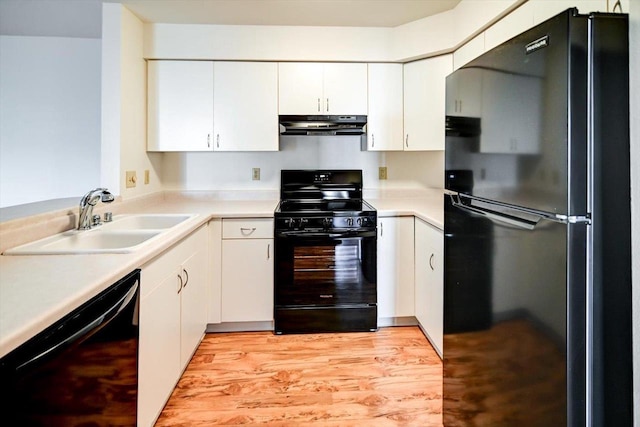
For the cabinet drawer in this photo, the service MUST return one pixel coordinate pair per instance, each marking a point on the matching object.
(244, 228)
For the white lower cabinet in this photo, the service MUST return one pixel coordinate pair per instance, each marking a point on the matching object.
(173, 317)
(247, 270)
(429, 281)
(395, 267)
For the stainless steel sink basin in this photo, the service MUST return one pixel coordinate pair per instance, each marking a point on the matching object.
(126, 233)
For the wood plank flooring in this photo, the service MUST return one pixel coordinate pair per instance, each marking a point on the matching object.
(392, 377)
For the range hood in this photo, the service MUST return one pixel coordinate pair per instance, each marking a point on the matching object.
(323, 125)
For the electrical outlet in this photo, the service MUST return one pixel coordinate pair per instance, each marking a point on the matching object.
(146, 176)
(382, 172)
(131, 179)
(255, 174)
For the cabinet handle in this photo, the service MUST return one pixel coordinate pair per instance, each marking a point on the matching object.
(456, 107)
(327, 105)
(381, 230)
(318, 105)
(218, 141)
(461, 105)
(406, 141)
(186, 273)
(180, 285)
(268, 250)
(373, 141)
(430, 262)
(247, 231)
(208, 140)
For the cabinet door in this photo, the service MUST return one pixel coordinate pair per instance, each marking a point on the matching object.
(245, 106)
(395, 267)
(159, 353)
(300, 88)
(180, 106)
(469, 51)
(424, 103)
(247, 280)
(194, 303)
(384, 121)
(429, 293)
(521, 19)
(345, 89)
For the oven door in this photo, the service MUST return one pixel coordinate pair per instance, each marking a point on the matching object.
(325, 269)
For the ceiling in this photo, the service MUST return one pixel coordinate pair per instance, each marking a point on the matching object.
(83, 18)
(349, 13)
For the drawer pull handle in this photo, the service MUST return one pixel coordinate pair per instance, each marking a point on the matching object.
(326, 296)
(431, 263)
(180, 284)
(247, 231)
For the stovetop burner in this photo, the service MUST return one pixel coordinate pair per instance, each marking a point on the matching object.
(326, 200)
(324, 206)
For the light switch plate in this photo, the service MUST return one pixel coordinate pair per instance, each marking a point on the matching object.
(146, 176)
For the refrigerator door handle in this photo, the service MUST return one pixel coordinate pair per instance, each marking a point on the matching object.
(563, 219)
(495, 216)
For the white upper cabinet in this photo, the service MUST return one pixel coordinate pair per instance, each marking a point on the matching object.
(180, 106)
(385, 118)
(469, 51)
(322, 88)
(510, 26)
(424, 103)
(245, 113)
(345, 89)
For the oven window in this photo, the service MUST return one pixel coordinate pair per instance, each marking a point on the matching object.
(325, 271)
(312, 264)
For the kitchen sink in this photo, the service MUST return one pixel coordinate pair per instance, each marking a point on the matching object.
(145, 222)
(126, 233)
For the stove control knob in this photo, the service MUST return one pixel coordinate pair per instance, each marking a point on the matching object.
(360, 222)
(327, 222)
(290, 222)
(350, 222)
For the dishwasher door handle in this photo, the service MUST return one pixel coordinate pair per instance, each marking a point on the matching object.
(88, 329)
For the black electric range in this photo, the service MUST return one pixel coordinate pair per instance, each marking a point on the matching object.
(325, 253)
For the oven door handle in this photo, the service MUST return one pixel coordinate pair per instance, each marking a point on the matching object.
(315, 235)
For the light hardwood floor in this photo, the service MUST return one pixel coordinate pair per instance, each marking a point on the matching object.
(392, 377)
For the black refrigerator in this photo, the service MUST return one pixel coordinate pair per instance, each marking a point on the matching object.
(537, 297)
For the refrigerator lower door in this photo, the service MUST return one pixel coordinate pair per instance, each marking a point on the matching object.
(514, 287)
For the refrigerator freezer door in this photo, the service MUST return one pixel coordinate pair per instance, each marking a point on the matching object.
(528, 147)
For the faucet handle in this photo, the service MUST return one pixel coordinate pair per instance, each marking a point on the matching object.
(95, 220)
(108, 216)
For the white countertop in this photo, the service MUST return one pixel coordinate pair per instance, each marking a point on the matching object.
(37, 290)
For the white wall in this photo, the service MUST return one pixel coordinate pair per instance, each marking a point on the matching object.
(437, 33)
(49, 118)
(232, 171)
(124, 107)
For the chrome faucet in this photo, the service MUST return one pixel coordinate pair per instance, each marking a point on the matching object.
(87, 203)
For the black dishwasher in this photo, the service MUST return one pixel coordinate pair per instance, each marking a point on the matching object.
(80, 371)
